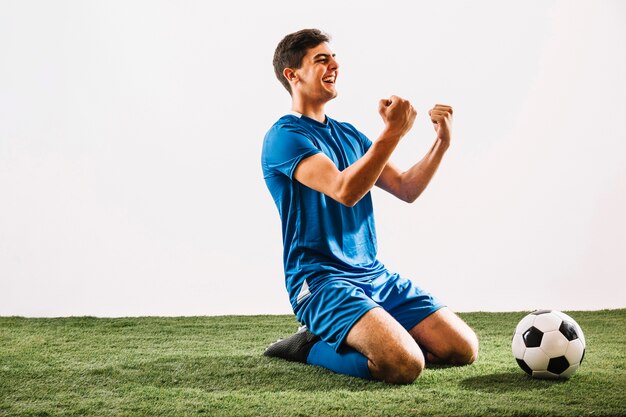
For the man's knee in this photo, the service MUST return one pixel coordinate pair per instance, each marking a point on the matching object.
(466, 352)
(471, 350)
(447, 338)
(393, 355)
(400, 368)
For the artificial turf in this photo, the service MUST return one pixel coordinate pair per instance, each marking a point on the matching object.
(213, 366)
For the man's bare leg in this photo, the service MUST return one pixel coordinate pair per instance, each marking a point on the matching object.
(446, 338)
(392, 353)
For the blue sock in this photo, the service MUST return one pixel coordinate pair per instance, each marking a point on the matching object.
(347, 362)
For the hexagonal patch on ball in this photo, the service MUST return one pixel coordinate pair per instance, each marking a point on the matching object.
(547, 322)
(575, 351)
(536, 359)
(525, 323)
(517, 346)
(558, 365)
(532, 337)
(554, 344)
(568, 330)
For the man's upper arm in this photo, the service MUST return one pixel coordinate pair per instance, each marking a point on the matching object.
(320, 173)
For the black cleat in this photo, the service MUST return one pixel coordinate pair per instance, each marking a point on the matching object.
(295, 348)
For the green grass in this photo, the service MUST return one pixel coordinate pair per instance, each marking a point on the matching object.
(213, 366)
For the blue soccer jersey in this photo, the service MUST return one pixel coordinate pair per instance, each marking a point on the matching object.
(322, 238)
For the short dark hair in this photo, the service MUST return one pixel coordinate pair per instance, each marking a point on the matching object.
(293, 48)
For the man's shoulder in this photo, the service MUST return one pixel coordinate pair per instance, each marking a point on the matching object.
(285, 124)
(288, 120)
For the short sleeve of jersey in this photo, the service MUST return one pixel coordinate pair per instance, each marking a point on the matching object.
(283, 149)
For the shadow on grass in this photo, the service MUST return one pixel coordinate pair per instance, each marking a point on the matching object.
(506, 382)
(233, 373)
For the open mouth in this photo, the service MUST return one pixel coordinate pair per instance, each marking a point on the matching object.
(329, 80)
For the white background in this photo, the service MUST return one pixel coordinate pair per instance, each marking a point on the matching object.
(131, 131)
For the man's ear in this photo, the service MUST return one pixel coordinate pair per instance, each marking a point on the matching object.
(290, 74)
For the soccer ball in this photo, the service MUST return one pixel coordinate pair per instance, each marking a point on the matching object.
(548, 344)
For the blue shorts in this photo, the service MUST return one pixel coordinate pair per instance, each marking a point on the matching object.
(332, 309)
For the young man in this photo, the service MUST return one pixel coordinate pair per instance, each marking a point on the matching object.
(359, 318)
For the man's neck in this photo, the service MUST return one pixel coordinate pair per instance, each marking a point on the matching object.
(315, 112)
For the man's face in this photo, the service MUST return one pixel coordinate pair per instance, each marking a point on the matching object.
(317, 76)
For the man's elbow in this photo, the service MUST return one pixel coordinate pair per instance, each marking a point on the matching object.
(405, 189)
(348, 200)
(410, 197)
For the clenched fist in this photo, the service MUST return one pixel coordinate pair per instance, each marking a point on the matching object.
(441, 116)
(398, 115)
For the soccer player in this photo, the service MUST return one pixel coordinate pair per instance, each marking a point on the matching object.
(358, 318)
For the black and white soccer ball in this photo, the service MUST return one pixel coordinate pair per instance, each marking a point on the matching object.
(548, 344)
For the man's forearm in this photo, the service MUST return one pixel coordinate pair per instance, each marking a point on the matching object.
(360, 177)
(414, 181)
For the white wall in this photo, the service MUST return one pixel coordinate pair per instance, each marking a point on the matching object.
(130, 137)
